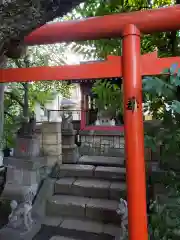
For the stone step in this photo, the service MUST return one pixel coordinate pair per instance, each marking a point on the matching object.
(94, 188)
(103, 172)
(62, 238)
(83, 207)
(90, 227)
(102, 161)
(82, 226)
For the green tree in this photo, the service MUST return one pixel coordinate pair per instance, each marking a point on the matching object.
(20, 98)
(19, 18)
(166, 43)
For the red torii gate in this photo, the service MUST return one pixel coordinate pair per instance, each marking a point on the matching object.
(131, 67)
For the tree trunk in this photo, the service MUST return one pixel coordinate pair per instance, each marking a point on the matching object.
(26, 100)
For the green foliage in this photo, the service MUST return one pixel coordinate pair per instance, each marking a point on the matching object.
(108, 96)
(165, 216)
(103, 47)
(15, 100)
(163, 104)
(165, 89)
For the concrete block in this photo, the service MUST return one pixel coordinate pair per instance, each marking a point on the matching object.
(117, 190)
(61, 238)
(83, 225)
(49, 138)
(113, 230)
(27, 147)
(52, 221)
(75, 170)
(46, 191)
(59, 138)
(103, 210)
(102, 161)
(65, 205)
(51, 127)
(64, 186)
(20, 233)
(110, 172)
(51, 160)
(91, 188)
(52, 150)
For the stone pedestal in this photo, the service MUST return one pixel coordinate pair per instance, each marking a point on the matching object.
(23, 177)
(51, 143)
(22, 181)
(23, 169)
(20, 233)
(28, 147)
(70, 152)
(105, 143)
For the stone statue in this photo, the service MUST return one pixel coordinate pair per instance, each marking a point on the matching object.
(20, 217)
(104, 119)
(122, 210)
(67, 121)
(27, 127)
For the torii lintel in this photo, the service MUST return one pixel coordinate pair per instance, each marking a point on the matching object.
(110, 68)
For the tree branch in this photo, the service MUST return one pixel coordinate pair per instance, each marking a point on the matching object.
(14, 97)
(19, 18)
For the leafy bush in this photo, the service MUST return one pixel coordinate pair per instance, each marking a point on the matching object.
(162, 102)
(108, 96)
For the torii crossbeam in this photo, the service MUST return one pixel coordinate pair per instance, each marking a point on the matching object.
(110, 68)
(132, 66)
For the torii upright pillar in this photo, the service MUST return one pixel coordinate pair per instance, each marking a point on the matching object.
(134, 135)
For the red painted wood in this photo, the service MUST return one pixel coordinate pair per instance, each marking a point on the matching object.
(103, 128)
(105, 69)
(156, 20)
(134, 135)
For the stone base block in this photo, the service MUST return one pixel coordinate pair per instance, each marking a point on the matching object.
(27, 147)
(51, 127)
(51, 138)
(85, 149)
(52, 160)
(110, 173)
(51, 150)
(14, 191)
(20, 233)
(24, 163)
(68, 138)
(70, 154)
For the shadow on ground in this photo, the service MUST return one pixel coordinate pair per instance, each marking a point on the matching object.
(5, 210)
(47, 232)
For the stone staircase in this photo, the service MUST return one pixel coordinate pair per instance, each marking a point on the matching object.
(85, 199)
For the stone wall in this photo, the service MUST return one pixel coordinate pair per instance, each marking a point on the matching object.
(51, 143)
(106, 143)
